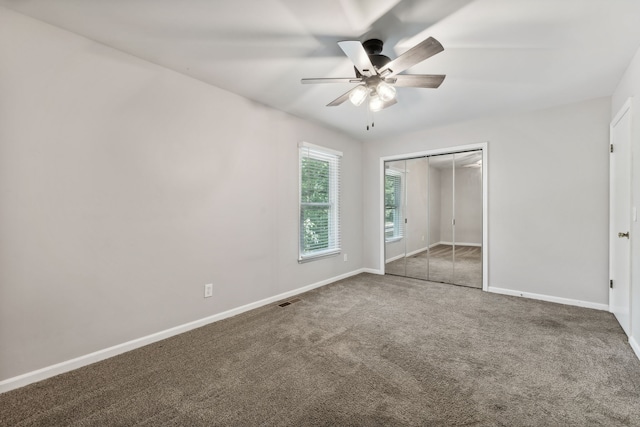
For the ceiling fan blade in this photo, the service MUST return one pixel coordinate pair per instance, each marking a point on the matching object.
(356, 53)
(389, 103)
(339, 100)
(331, 80)
(423, 50)
(417, 80)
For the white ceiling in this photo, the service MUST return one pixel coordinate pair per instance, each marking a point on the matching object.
(500, 55)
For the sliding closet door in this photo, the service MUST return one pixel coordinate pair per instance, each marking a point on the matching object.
(440, 218)
(394, 217)
(417, 224)
(467, 214)
(433, 218)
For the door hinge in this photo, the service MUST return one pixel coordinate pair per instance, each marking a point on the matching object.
(611, 148)
(611, 284)
(405, 220)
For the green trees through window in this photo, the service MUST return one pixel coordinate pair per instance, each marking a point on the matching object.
(392, 205)
(315, 204)
(319, 202)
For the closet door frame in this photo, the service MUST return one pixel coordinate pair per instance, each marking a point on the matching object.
(484, 147)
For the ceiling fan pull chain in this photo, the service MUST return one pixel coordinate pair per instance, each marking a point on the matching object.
(368, 113)
(370, 117)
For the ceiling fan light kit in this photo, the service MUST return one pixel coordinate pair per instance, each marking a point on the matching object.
(358, 95)
(376, 103)
(378, 75)
(385, 91)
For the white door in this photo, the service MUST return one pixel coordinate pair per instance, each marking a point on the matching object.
(619, 218)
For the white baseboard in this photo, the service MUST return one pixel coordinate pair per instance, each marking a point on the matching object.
(372, 271)
(87, 359)
(417, 251)
(549, 298)
(394, 258)
(426, 248)
(397, 257)
(635, 346)
(478, 245)
(433, 245)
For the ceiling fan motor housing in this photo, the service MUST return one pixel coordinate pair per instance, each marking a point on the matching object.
(373, 47)
(378, 61)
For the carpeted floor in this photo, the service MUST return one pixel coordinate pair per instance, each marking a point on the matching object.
(369, 350)
(437, 264)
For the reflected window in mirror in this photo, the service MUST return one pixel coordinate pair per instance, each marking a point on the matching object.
(393, 205)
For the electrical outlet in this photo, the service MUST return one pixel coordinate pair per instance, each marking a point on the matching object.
(208, 290)
(345, 257)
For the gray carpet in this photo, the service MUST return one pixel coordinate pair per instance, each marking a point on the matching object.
(369, 350)
(437, 264)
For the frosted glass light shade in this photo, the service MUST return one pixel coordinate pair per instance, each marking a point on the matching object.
(358, 95)
(385, 91)
(375, 103)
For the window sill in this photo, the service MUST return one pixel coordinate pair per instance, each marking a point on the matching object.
(319, 255)
(393, 239)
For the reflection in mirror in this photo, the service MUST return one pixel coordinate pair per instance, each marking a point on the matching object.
(416, 213)
(440, 218)
(394, 207)
(433, 218)
(468, 219)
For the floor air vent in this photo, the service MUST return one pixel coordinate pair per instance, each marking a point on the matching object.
(286, 303)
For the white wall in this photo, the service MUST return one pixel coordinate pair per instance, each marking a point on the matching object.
(435, 205)
(446, 202)
(468, 206)
(417, 215)
(125, 187)
(548, 196)
(630, 87)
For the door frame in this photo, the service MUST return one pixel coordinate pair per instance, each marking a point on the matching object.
(484, 147)
(625, 109)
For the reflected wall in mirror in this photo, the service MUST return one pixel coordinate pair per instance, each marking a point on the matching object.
(441, 215)
(417, 218)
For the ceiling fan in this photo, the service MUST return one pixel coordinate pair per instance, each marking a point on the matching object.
(377, 75)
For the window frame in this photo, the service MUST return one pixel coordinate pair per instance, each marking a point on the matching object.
(333, 157)
(398, 218)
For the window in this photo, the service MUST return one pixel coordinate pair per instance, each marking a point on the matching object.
(392, 205)
(319, 202)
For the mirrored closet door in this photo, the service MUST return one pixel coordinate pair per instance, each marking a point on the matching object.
(394, 217)
(433, 218)
(440, 251)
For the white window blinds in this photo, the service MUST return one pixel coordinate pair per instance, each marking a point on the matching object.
(393, 216)
(319, 173)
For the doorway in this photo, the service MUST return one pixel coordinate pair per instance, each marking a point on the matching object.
(434, 212)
